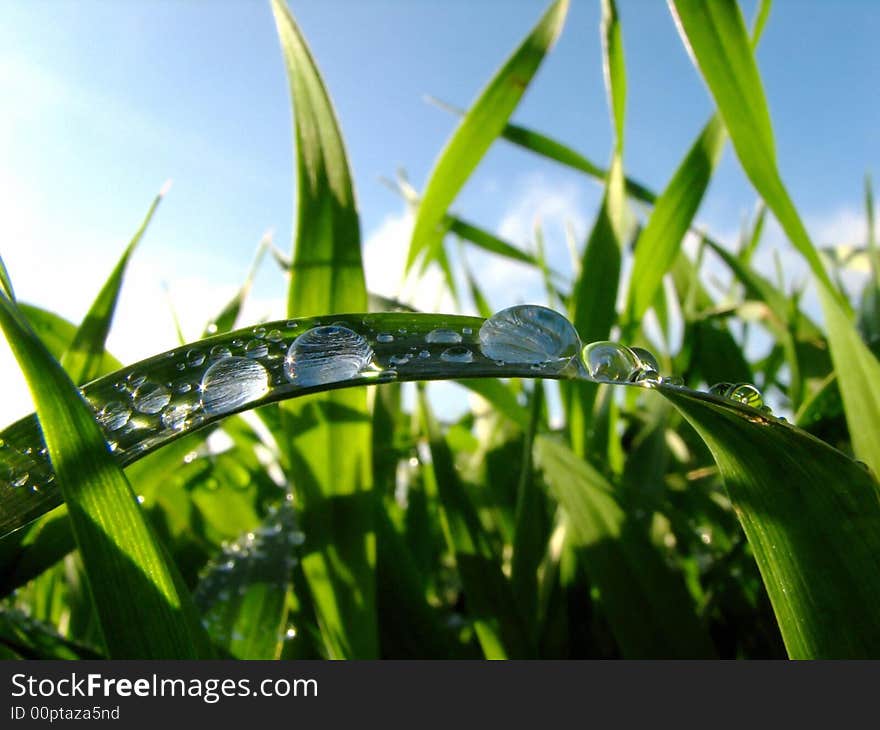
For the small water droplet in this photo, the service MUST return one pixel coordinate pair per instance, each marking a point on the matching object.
(443, 337)
(195, 358)
(259, 332)
(274, 336)
(290, 324)
(218, 352)
(135, 379)
(610, 362)
(151, 398)
(649, 370)
(114, 415)
(181, 366)
(466, 331)
(238, 342)
(529, 334)
(326, 354)
(400, 359)
(457, 354)
(182, 387)
(20, 480)
(231, 383)
(424, 354)
(385, 338)
(720, 389)
(174, 417)
(255, 349)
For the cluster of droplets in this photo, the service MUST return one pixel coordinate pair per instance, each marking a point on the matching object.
(186, 388)
(265, 556)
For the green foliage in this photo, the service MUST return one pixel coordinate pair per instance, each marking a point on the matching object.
(344, 520)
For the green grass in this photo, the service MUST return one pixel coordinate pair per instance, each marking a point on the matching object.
(346, 521)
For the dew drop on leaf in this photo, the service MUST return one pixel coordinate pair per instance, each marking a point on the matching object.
(231, 383)
(610, 362)
(529, 334)
(326, 354)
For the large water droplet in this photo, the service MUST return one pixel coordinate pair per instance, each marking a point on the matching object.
(457, 354)
(114, 415)
(528, 334)
(151, 398)
(231, 383)
(326, 354)
(443, 337)
(611, 362)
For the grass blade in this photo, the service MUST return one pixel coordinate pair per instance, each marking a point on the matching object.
(130, 581)
(812, 517)
(480, 127)
(715, 34)
(328, 436)
(82, 361)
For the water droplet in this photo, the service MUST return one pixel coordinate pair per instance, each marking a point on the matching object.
(274, 336)
(218, 352)
(181, 366)
(720, 389)
(443, 337)
(151, 398)
(290, 324)
(529, 334)
(746, 394)
(114, 415)
(457, 354)
(135, 379)
(211, 329)
(20, 480)
(650, 368)
(424, 354)
(610, 362)
(385, 338)
(195, 358)
(400, 359)
(259, 332)
(255, 349)
(182, 387)
(174, 417)
(231, 383)
(326, 354)
(466, 331)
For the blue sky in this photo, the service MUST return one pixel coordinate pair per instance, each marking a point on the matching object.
(105, 101)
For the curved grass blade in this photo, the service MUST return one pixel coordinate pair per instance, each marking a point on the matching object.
(82, 361)
(812, 517)
(130, 581)
(481, 125)
(715, 34)
(328, 437)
